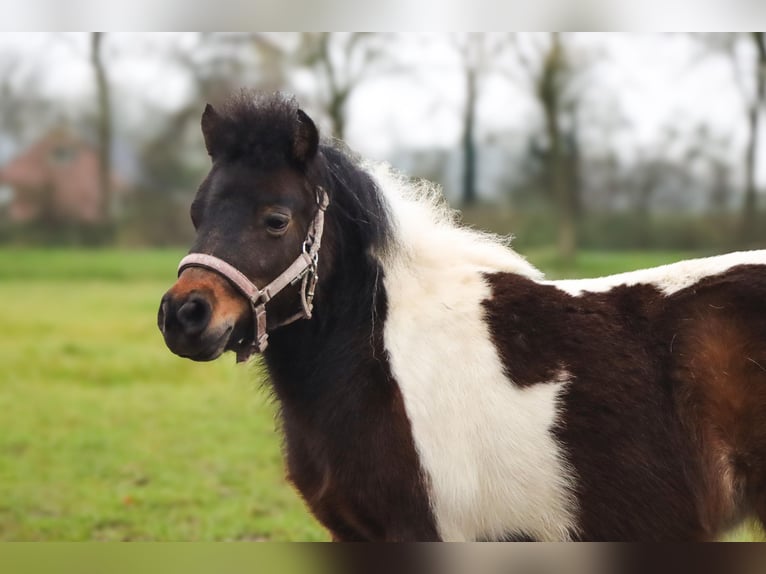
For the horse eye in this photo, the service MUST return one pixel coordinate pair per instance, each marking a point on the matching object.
(277, 222)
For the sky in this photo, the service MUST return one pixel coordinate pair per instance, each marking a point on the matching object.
(637, 87)
(647, 82)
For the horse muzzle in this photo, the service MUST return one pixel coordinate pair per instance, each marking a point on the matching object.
(200, 317)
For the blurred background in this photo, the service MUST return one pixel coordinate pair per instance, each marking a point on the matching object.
(600, 153)
(594, 141)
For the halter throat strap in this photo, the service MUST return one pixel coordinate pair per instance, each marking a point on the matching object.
(303, 269)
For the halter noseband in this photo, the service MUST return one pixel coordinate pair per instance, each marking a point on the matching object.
(303, 269)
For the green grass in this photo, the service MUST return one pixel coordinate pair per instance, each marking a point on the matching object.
(78, 265)
(105, 435)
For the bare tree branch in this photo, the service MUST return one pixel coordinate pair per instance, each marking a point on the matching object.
(342, 62)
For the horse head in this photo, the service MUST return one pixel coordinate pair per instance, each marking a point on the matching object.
(258, 217)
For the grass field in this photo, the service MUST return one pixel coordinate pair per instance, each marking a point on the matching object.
(105, 435)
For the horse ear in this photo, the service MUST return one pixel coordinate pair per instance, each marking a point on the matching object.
(306, 140)
(211, 130)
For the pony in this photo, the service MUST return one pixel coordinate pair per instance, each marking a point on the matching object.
(433, 385)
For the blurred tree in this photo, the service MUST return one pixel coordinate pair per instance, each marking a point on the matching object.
(341, 62)
(217, 64)
(747, 53)
(9, 103)
(554, 78)
(476, 51)
(650, 173)
(172, 155)
(756, 107)
(25, 113)
(104, 123)
(8, 117)
(708, 151)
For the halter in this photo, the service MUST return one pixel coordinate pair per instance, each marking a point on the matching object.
(303, 269)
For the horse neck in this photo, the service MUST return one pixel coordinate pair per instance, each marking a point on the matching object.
(333, 351)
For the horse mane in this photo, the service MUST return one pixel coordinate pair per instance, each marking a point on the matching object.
(429, 232)
(397, 216)
(355, 197)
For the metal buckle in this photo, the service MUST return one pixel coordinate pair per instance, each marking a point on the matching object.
(312, 287)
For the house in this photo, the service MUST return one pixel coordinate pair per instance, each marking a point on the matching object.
(56, 179)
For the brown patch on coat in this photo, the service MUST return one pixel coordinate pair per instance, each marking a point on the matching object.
(664, 421)
(618, 428)
(721, 368)
(359, 494)
(710, 350)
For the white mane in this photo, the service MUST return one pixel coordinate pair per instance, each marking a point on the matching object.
(427, 231)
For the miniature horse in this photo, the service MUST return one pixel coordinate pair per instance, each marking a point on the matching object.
(442, 389)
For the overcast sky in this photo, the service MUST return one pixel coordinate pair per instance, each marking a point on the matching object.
(637, 87)
(649, 83)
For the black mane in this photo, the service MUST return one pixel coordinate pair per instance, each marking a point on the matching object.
(359, 204)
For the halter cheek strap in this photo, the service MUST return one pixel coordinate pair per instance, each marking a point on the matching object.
(303, 269)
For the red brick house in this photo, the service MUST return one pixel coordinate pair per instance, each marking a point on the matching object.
(57, 178)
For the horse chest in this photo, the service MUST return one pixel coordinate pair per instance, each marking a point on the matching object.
(362, 483)
(486, 444)
(322, 483)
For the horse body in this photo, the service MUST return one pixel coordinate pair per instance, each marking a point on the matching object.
(444, 390)
(604, 388)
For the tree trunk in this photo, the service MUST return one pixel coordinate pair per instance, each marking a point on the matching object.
(469, 140)
(749, 213)
(574, 169)
(337, 113)
(749, 207)
(338, 95)
(104, 125)
(560, 189)
(567, 235)
(644, 195)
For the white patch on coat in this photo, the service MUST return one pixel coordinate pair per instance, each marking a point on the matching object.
(426, 229)
(668, 278)
(493, 465)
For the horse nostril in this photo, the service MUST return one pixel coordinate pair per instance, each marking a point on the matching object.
(194, 315)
